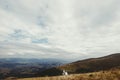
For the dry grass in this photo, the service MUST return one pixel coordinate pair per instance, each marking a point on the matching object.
(102, 75)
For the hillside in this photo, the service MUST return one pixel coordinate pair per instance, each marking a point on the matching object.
(112, 74)
(27, 70)
(85, 66)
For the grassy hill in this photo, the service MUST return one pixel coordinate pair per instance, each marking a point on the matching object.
(112, 74)
(93, 64)
(85, 66)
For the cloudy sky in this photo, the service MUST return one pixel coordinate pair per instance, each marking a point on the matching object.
(65, 29)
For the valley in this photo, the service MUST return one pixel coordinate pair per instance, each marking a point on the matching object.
(37, 69)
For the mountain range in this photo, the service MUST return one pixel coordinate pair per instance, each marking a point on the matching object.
(23, 68)
(20, 67)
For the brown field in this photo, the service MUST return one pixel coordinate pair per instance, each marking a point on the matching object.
(113, 74)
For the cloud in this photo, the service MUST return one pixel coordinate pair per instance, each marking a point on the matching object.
(71, 28)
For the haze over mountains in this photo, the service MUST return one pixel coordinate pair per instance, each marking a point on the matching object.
(53, 67)
(21, 67)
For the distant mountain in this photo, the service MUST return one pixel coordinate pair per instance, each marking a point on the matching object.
(29, 60)
(87, 65)
(20, 67)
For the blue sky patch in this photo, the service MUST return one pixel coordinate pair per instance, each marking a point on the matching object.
(41, 21)
(44, 40)
(17, 34)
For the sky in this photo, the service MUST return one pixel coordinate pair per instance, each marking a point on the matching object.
(62, 29)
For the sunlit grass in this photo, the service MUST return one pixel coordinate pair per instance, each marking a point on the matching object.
(113, 74)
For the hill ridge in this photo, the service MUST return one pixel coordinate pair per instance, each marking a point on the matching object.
(87, 65)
